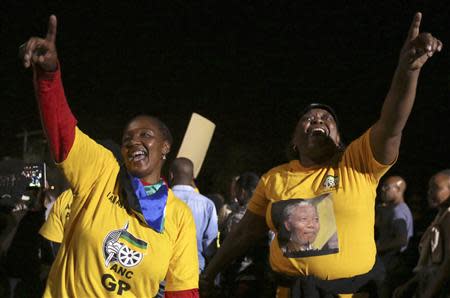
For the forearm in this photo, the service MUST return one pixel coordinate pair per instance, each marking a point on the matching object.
(399, 101)
(237, 243)
(399, 239)
(395, 245)
(57, 119)
(234, 246)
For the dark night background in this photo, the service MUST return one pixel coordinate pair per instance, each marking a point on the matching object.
(248, 66)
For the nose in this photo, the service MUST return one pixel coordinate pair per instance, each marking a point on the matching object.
(317, 120)
(133, 140)
(310, 223)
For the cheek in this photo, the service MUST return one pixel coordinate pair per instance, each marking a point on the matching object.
(123, 152)
(443, 195)
(154, 148)
(336, 134)
(150, 142)
(299, 132)
(333, 129)
(300, 226)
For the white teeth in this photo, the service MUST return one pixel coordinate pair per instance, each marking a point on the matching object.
(318, 129)
(137, 155)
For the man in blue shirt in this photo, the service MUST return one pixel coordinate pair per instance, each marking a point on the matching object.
(182, 176)
(394, 223)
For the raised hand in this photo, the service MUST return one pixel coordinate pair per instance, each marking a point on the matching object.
(41, 52)
(418, 47)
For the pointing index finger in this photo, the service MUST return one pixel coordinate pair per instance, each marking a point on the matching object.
(415, 26)
(51, 31)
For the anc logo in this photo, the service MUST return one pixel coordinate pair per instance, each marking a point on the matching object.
(122, 247)
(330, 182)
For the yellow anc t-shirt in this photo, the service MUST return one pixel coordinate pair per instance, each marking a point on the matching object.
(54, 227)
(343, 195)
(109, 252)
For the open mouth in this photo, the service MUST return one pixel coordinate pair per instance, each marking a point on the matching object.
(137, 155)
(317, 131)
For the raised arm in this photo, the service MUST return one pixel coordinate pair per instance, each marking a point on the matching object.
(57, 119)
(386, 133)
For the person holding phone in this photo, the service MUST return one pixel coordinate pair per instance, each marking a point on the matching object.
(127, 232)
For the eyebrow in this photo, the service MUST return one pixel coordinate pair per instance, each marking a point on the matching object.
(322, 113)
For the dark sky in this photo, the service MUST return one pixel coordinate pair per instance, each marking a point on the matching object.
(248, 67)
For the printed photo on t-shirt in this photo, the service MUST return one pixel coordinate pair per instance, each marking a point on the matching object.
(306, 227)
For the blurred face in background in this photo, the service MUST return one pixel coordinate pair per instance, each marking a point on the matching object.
(439, 190)
(391, 190)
